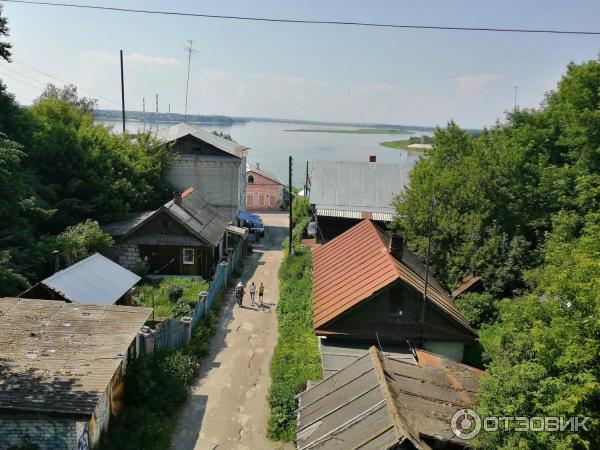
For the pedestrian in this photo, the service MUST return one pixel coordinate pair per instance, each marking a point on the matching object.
(252, 292)
(239, 293)
(261, 292)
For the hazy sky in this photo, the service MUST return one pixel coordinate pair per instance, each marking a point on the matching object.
(317, 72)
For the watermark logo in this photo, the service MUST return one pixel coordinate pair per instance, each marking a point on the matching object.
(467, 424)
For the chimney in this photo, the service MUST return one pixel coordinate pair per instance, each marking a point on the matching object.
(372, 158)
(396, 245)
(177, 198)
(56, 255)
(257, 166)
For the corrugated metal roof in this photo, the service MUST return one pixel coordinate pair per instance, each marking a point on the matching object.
(59, 357)
(378, 403)
(180, 130)
(357, 186)
(124, 227)
(96, 279)
(339, 213)
(356, 265)
(337, 354)
(243, 232)
(200, 217)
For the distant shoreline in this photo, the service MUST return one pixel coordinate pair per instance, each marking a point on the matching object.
(402, 145)
(353, 131)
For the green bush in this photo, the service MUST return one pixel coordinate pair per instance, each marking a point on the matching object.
(173, 291)
(156, 387)
(296, 356)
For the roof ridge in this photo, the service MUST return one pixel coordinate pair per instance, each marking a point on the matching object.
(403, 429)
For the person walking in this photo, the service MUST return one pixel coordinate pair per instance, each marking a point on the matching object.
(252, 292)
(261, 293)
(239, 293)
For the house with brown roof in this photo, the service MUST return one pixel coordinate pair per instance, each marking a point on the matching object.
(185, 236)
(62, 368)
(368, 287)
(381, 403)
(264, 191)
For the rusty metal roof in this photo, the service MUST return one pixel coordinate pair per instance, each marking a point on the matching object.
(357, 265)
(380, 403)
(59, 358)
(467, 283)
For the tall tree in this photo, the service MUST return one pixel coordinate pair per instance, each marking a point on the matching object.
(5, 47)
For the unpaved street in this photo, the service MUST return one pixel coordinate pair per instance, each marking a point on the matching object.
(227, 407)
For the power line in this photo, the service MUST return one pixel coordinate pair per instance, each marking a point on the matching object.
(63, 81)
(307, 21)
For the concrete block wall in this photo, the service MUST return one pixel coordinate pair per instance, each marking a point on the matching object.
(45, 432)
(128, 255)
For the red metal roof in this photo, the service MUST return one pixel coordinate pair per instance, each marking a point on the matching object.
(357, 264)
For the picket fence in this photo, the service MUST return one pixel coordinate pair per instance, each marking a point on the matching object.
(175, 333)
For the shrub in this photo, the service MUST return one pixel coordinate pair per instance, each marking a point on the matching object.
(173, 291)
(296, 356)
(181, 308)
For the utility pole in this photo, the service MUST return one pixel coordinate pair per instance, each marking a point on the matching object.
(169, 112)
(306, 182)
(122, 92)
(189, 50)
(144, 112)
(156, 117)
(516, 91)
(433, 203)
(291, 203)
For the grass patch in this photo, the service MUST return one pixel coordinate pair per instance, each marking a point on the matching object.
(296, 357)
(353, 131)
(156, 387)
(173, 297)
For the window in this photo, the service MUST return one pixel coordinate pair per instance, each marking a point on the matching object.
(250, 179)
(188, 256)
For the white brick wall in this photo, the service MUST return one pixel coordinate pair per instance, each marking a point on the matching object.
(128, 255)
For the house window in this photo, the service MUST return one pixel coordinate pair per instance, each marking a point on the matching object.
(250, 179)
(188, 256)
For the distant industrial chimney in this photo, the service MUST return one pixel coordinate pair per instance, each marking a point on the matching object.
(257, 166)
(396, 245)
(177, 198)
(372, 158)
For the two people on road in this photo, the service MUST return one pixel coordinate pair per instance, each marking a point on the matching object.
(239, 293)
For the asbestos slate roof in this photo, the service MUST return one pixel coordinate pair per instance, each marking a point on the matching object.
(263, 173)
(357, 186)
(96, 279)
(180, 130)
(381, 403)
(356, 265)
(59, 358)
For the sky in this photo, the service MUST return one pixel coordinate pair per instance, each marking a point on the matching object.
(312, 72)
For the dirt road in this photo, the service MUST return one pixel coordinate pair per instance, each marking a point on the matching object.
(227, 407)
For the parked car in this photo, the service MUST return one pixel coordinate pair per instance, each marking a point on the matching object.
(253, 222)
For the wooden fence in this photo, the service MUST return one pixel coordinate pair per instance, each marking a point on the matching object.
(176, 333)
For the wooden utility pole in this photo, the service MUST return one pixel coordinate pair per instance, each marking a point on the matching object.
(291, 203)
(306, 182)
(122, 92)
(156, 117)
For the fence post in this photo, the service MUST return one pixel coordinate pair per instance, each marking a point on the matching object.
(225, 273)
(148, 336)
(187, 324)
(203, 297)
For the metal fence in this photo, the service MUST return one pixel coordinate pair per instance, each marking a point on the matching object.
(175, 333)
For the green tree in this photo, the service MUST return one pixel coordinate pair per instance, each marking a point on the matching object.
(5, 47)
(69, 94)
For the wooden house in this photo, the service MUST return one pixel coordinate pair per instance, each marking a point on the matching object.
(264, 191)
(215, 167)
(368, 287)
(186, 236)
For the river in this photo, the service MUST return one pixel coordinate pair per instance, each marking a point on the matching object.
(270, 145)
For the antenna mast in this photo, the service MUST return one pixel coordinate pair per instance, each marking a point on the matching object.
(189, 49)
